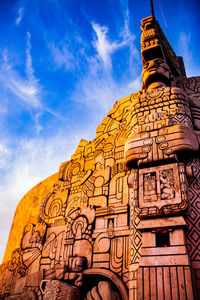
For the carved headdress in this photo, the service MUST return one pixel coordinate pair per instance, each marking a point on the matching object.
(155, 45)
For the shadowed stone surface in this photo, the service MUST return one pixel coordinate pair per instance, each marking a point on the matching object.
(120, 220)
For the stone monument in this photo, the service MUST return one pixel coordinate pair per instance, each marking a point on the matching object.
(120, 220)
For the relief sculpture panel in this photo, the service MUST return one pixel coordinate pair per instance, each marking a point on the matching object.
(114, 222)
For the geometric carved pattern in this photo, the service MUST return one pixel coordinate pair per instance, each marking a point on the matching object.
(161, 126)
(162, 280)
(97, 234)
(192, 87)
(160, 190)
(136, 236)
(193, 221)
(136, 240)
(82, 222)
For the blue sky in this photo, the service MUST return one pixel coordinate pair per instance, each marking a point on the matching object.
(63, 64)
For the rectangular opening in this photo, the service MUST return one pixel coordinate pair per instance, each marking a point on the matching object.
(153, 53)
(162, 238)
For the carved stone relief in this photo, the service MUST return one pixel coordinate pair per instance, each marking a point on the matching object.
(159, 190)
(98, 226)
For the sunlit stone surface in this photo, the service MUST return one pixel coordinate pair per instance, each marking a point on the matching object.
(120, 219)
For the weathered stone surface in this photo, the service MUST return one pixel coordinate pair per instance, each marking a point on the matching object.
(23, 216)
(111, 224)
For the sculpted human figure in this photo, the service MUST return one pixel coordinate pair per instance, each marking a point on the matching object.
(98, 229)
(162, 126)
(149, 184)
(167, 185)
(156, 73)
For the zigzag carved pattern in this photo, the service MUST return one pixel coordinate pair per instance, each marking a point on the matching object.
(136, 236)
(193, 221)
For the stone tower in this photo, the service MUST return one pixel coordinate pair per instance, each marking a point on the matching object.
(120, 220)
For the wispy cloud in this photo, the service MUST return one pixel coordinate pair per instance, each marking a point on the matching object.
(125, 32)
(135, 85)
(28, 161)
(104, 46)
(130, 37)
(99, 91)
(4, 155)
(25, 88)
(25, 162)
(20, 15)
(38, 126)
(185, 50)
(29, 67)
(62, 56)
(98, 87)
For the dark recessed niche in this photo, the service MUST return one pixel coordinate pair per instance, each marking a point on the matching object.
(162, 238)
(152, 54)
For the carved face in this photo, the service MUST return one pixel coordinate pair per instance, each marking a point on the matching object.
(55, 289)
(155, 70)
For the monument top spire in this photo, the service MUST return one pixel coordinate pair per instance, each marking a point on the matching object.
(152, 9)
(155, 47)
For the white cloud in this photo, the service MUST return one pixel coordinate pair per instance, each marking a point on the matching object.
(25, 162)
(99, 88)
(3, 109)
(25, 88)
(105, 47)
(185, 50)
(29, 67)
(100, 92)
(102, 45)
(126, 33)
(20, 15)
(28, 161)
(38, 126)
(4, 155)
(130, 37)
(136, 84)
(62, 56)
(33, 159)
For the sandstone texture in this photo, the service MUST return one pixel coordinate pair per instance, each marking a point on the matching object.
(120, 220)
